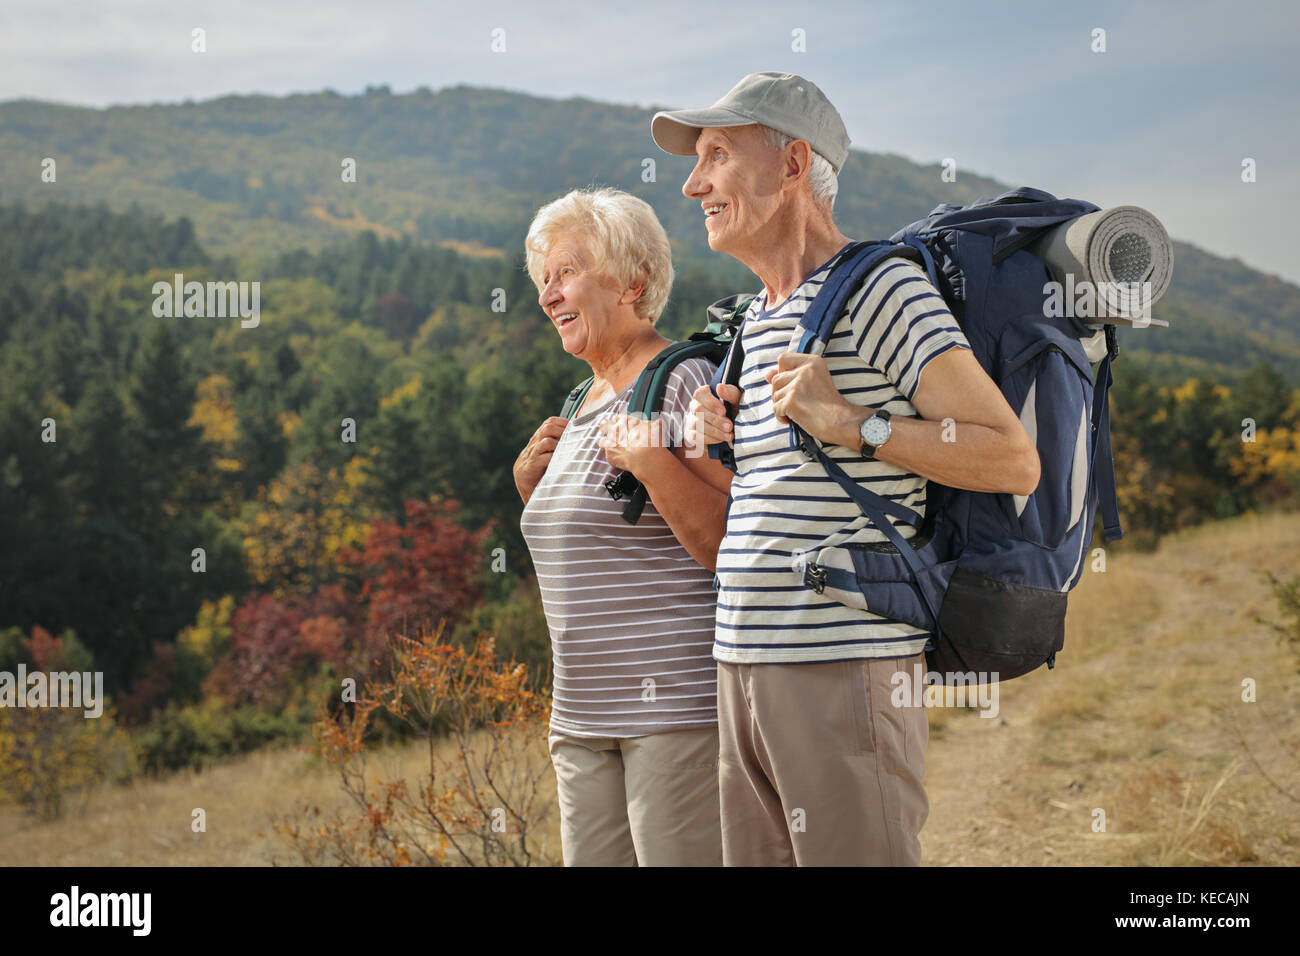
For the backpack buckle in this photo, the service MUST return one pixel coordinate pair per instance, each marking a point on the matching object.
(803, 441)
(1112, 342)
(814, 577)
(622, 485)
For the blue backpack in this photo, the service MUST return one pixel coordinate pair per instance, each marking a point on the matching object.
(987, 575)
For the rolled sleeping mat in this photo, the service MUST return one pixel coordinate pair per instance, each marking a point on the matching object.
(1123, 252)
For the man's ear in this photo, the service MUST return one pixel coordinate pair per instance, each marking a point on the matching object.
(798, 160)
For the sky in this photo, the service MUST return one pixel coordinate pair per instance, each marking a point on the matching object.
(1184, 92)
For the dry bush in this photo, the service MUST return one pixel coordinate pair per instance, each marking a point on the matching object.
(51, 754)
(485, 804)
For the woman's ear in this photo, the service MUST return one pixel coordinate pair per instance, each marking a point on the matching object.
(632, 293)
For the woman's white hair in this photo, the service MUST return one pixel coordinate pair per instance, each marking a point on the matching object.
(624, 238)
(821, 176)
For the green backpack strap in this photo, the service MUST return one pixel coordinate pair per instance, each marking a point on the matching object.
(648, 397)
(574, 401)
(712, 342)
(648, 393)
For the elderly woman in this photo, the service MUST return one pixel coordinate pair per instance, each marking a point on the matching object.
(630, 608)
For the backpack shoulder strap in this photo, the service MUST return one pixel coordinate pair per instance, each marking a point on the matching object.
(731, 311)
(647, 398)
(652, 383)
(1102, 461)
(576, 395)
(818, 321)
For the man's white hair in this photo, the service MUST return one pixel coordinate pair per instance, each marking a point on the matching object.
(821, 176)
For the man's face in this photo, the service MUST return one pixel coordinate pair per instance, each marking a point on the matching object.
(737, 179)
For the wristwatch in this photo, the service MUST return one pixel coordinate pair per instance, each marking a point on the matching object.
(875, 432)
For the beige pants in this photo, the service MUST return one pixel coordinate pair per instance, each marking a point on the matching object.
(817, 767)
(648, 801)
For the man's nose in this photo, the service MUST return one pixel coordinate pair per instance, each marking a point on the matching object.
(694, 185)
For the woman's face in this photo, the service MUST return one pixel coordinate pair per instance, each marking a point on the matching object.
(581, 304)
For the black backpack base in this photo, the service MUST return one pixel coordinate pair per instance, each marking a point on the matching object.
(1007, 629)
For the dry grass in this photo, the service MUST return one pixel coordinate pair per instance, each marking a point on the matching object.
(1141, 719)
(149, 824)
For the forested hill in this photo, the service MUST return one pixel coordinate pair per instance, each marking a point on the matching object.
(225, 518)
(260, 176)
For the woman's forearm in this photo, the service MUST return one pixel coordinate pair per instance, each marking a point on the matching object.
(695, 510)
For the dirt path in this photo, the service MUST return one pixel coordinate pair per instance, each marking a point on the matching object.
(974, 768)
(1138, 720)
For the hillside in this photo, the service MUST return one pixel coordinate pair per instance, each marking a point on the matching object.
(467, 167)
(1141, 718)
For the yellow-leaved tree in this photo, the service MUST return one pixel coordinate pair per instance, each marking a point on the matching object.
(294, 532)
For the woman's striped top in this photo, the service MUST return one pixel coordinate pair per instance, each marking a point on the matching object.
(629, 610)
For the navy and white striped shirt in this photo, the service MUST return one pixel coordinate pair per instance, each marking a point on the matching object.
(784, 504)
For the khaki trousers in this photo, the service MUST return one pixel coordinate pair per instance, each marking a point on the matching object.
(647, 801)
(817, 767)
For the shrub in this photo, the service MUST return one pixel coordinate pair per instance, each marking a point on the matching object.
(199, 735)
(1288, 602)
(48, 754)
(481, 799)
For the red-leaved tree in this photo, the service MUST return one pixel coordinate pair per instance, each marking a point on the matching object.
(420, 573)
(414, 577)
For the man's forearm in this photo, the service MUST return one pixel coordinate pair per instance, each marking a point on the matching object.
(958, 454)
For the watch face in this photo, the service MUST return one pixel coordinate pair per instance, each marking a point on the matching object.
(875, 431)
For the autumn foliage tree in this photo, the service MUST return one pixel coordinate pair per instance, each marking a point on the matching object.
(422, 572)
(1201, 450)
(412, 578)
(51, 754)
(302, 521)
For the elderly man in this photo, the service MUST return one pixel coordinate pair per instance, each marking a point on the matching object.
(817, 765)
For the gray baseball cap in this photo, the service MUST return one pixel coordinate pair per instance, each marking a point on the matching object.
(784, 101)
